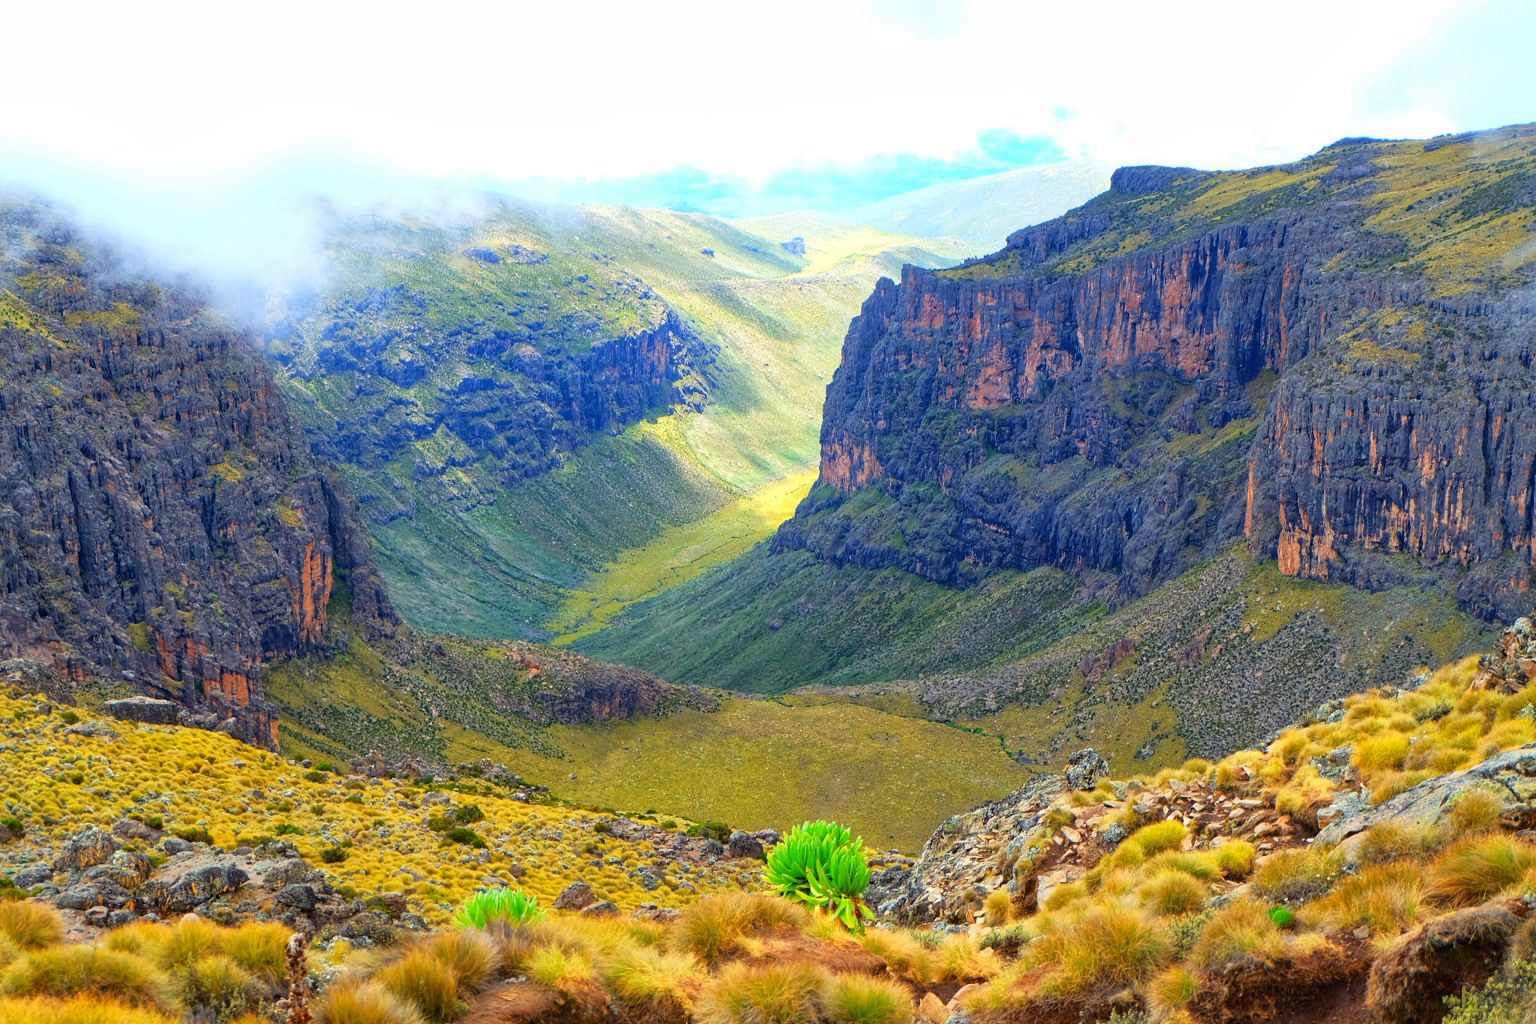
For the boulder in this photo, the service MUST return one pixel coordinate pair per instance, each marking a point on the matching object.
(576, 896)
(195, 888)
(602, 908)
(1461, 950)
(1511, 774)
(149, 710)
(86, 849)
(1085, 769)
(31, 878)
(743, 844)
(298, 897)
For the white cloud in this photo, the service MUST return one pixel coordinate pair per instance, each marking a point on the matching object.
(178, 91)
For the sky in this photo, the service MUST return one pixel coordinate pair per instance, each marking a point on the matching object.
(155, 110)
(594, 89)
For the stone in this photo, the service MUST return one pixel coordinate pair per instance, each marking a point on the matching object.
(93, 728)
(576, 896)
(31, 878)
(197, 887)
(101, 893)
(86, 849)
(602, 908)
(299, 897)
(149, 710)
(1085, 769)
(932, 1010)
(173, 845)
(742, 844)
(96, 917)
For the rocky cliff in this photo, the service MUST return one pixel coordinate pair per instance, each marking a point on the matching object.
(1331, 359)
(461, 358)
(162, 521)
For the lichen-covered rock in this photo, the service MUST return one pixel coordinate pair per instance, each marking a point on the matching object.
(1085, 769)
(1511, 774)
(576, 896)
(198, 887)
(86, 849)
(150, 710)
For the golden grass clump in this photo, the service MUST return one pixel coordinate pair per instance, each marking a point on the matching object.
(905, 953)
(1241, 930)
(259, 947)
(351, 1002)
(717, 925)
(777, 994)
(471, 955)
(78, 1010)
(1296, 876)
(1480, 867)
(653, 979)
(1386, 898)
(570, 972)
(860, 999)
(1170, 990)
(1477, 810)
(1395, 840)
(998, 908)
(219, 984)
(65, 971)
(424, 982)
(1173, 893)
(30, 925)
(1235, 858)
(1110, 945)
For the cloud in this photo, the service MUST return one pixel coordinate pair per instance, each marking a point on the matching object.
(608, 89)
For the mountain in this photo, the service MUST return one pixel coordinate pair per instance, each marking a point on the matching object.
(162, 521)
(1162, 459)
(984, 211)
(522, 395)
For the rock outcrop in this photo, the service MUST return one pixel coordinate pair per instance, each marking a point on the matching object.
(162, 521)
(1331, 359)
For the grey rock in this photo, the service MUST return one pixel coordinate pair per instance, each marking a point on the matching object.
(742, 844)
(576, 896)
(173, 845)
(198, 887)
(602, 908)
(144, 709)
(1512, 774)
(1085, 769)
(31, 878)
(299, 897)
(86, 849)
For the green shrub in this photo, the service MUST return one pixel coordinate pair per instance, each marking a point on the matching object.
(711, 830)
(465, 836)
(821, 865)
(14, 826)
(69, 716)
(193, 834)
(333, 855)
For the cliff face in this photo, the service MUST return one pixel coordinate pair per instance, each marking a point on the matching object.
(466, 358)
(1332, 359)
(161, 519)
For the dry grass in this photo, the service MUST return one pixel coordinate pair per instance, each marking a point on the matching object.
(1480, 867)
(1241, 930)
(30, 925)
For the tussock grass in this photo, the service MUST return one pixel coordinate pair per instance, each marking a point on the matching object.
(1386, 898)
(857, 999)
(786, 994)
(1296, 876)
(1109, 945)
(365, 1003)
(79, 1010)
(713, 927)
(1480, 867)
(30, 925)
(424, 982)
(1241, 930)
(65, 971)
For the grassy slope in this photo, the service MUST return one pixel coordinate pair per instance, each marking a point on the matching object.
(754, 763)
(777, 323)
(1016, 654)
(196, 778)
